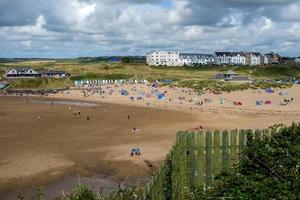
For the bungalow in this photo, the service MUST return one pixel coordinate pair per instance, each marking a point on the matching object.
(53, 74)
(231, 76)
(28, 72)
(21, 72)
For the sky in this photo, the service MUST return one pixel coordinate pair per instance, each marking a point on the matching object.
(77, 28)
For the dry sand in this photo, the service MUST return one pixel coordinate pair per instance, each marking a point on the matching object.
(37, 152)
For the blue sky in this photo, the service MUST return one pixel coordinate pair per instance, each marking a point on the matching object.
(73, 28)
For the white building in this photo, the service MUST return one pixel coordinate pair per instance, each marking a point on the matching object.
(230, 58)
(163, 58)
(253, 58)
(264, 59)
(195, 59)
(297, 60)
(21, 72)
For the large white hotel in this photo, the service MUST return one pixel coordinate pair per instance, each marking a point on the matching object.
(175, 58)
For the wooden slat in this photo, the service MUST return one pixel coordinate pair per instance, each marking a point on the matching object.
(217, 154)
(200, 160)
(233, 147)
(225, 151)
(208, 155)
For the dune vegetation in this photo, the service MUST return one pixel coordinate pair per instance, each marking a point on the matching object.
(185, 75)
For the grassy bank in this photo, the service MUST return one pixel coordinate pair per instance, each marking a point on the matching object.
(215, 86)
(106, 70)
(39, 83)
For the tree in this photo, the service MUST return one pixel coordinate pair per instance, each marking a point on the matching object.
(125, 60)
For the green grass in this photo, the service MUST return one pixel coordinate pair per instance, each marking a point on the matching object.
(214, 85)
(93, 76)
(105, 70)
(39, 83)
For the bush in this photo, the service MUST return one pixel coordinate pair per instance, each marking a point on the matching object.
(81, 192)
(269, 168)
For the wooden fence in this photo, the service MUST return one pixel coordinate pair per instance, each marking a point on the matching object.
(194, 161)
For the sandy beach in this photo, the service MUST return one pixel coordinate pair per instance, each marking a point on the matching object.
(43, 143)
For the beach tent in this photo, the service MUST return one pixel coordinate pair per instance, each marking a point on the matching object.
(269, 90)
(283, 93)
(268, 102)
(167, 81)
(208, 100)
(77, 83)
(198, 102)
(237, 103)
(160, 96)
(258, 102)
(221, 101)
(124, 92)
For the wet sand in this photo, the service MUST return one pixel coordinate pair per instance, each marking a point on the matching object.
(60, 144)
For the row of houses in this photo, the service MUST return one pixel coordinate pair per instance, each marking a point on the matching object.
(175, 58)
(28, 72)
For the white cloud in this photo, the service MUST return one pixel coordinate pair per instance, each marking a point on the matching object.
(93, 27)
(27, 44)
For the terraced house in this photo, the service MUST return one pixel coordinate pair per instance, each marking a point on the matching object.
(175, 58)
(230, 58)
(195, 59)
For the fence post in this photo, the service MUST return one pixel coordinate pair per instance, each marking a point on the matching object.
(175, 164)
(225, 152)
(217, 154)
(200, 161)
(233, 147)
(241, 141)
(258, 135)
(208, 155)
(266, 133)
(191, 166)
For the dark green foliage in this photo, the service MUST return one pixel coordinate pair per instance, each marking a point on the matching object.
(215, 85)
(81, 192)
(93, 76)
(125, 60)
(167, 184)
(38, 195)
(269, 168)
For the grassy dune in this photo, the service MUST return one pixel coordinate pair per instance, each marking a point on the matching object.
(103, 70)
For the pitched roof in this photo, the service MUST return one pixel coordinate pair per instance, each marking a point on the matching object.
(21, 69)
(195, 55)
(230, 53)
(230, 72)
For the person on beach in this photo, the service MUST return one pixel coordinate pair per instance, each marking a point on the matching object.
(87, 118)
(78, 112)
(39, 118)
(74, 112)
(128, 117)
